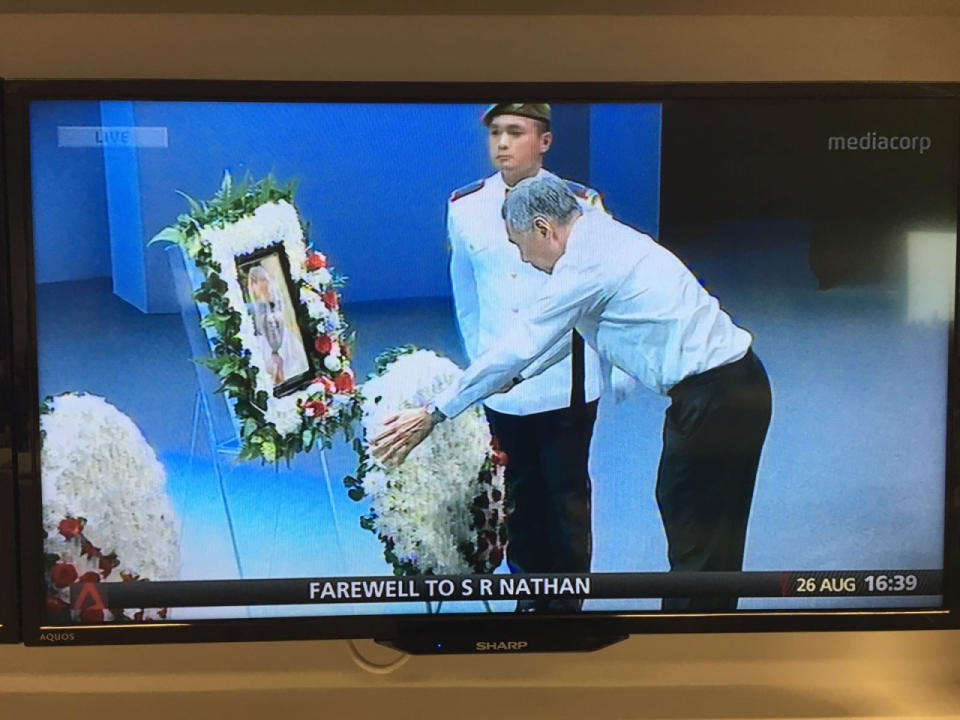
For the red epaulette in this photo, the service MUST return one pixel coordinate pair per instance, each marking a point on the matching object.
(581, 191)
(466, 190)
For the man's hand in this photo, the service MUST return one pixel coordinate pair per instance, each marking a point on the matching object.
(401, 434)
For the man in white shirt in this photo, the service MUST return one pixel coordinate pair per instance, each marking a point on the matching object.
(641, 308)
(545, 425)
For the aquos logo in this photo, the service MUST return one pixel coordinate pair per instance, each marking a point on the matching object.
(58, 636)
(501, 646)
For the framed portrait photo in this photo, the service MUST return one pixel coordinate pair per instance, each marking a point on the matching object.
(280, 349)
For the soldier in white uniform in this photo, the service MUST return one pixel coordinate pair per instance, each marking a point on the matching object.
(544, 425)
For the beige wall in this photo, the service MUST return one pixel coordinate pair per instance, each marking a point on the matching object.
(482, 48)
(731, 676)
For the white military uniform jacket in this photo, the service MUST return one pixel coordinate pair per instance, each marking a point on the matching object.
(491, 286)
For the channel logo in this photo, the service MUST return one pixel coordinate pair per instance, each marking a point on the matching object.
(875, 141)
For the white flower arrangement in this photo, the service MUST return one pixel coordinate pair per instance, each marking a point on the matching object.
(96, 464)
(240, 220)
(273, 224)
(441, 511)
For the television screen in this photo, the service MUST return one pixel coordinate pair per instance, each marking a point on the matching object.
(348, 360)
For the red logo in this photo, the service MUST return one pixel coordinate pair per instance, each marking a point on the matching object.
(89, 597)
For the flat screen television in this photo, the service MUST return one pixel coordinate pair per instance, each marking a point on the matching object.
(483, 367)
(9, 590)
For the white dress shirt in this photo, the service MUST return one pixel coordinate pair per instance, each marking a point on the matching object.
(630, 298)
(492, 287)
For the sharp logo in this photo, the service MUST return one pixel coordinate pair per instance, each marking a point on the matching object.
(58, 636)
(502, 646)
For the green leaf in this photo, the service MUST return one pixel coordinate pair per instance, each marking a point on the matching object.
(307, 438)
(356, 494)
(193, 246)
(226, 184)
(195, 207)
(269, 451)
(290, 189)
(169, 234)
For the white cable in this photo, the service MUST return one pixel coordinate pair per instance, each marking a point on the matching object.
(372, 667)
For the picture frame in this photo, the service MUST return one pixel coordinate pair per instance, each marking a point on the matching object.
(268, 292)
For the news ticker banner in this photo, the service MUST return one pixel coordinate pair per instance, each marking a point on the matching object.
(428, 588)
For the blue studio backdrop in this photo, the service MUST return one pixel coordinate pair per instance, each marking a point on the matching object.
(373, 182)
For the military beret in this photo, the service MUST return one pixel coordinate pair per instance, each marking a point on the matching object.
(537, 111)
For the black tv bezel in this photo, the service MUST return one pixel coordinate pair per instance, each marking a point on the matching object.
(9, 579)
(419, 631)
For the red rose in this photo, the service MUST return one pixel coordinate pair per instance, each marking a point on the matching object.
(315, 260)
(55, 606)
(89, 549)
(92, 615)
(89, 577)
(63, 574)
(128, 577)
(314, 408)
(323, 344)
(70, 527)
(331, 300)
(344, 382)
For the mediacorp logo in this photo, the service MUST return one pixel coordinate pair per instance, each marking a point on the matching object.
(875, 141)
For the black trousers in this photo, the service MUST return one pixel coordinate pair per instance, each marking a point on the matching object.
(548, 492)
(713, 434)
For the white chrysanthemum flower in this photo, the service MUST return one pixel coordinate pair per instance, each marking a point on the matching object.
(321, 276)
(332, 363)
(284, 412)
(96, 464)
(424, 506)
(314, 303)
